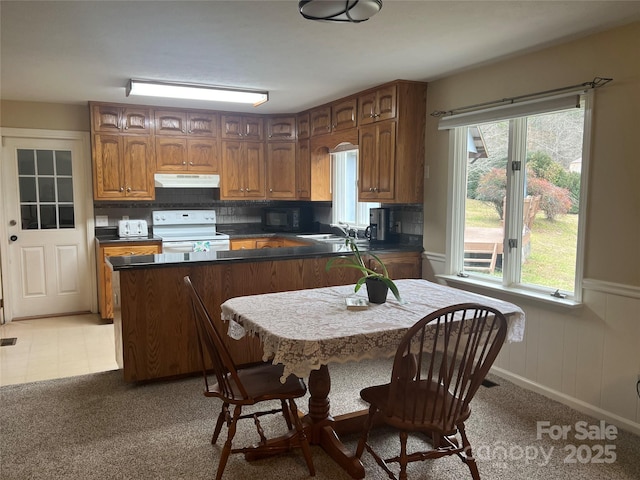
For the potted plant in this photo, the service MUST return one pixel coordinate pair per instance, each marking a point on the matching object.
(378, 283)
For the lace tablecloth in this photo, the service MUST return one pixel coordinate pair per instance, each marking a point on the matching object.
(304, 329)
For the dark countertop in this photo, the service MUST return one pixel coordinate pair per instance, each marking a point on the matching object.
(109, 235)
(314, 249)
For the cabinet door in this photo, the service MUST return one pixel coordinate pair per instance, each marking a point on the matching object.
(232, 182)
(344, 115)
(110, 118)
(281, 128)
(376, 174)
(367, 108)
(138, 167)
(253, 128)
(270, 243)
(108, 167)
(232, 126)
(367, 163)
(202, 124)
(203, 155)
(399, 265)
(242, 244)
(106, 118)
(104, 272)
(386, 103)
(303, 170)
(386, 158)
(303, 126)
(281, 170)
(320, 121)
(255, 166)
(377, 106)
(170, 122)
(171, 154)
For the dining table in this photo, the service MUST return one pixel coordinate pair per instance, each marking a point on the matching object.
(307, 330)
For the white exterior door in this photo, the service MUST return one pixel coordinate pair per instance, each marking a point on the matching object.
(46, 259)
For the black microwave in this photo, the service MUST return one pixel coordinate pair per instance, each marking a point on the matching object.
(287, 219)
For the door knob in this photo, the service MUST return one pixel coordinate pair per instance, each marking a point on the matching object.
(13, 238)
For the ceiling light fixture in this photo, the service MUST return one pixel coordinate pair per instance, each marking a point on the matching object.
(192, 91)
(349, 11)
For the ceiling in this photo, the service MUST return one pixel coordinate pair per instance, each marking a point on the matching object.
(79, 51)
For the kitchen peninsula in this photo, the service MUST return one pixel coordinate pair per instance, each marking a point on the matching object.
(154, 333)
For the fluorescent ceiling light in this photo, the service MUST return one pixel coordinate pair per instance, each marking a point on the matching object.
(196, 92)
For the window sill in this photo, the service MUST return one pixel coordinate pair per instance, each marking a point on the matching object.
(536, 297)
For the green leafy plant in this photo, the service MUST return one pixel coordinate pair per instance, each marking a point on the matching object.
(356, 261)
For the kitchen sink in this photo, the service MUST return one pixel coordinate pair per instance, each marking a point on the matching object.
(331, 238)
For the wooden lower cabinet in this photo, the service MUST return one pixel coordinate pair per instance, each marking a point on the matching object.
(265, 242)
(401, 265)
(155, 333)
(105, 287)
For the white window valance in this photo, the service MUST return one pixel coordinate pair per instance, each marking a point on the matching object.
(513, 109)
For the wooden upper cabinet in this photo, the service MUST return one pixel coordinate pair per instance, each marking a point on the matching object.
(119, 119)
(242, 170)
(281, 128)
(344, 114)
(338, 116)
(239, 127)
(302, 126)
(303, 170)
(377, 105)
(281, 170)
(181, 123)
(180, 154)
(377, 157)
(320, 121)
(122, 167)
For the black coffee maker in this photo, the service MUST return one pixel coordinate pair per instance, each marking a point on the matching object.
(378, 229)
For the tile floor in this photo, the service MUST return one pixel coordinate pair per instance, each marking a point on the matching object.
(56, 347)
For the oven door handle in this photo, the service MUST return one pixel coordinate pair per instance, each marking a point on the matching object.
(177, 247)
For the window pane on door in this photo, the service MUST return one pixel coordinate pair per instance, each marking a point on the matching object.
(45, 185)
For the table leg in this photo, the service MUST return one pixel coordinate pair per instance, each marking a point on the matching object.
(323, 425)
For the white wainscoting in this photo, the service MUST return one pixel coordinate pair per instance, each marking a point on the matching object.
(587, 358)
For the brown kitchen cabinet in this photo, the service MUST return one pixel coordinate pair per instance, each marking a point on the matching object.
(240, 127)
(243, 170)
(337, 116)
(121, 119)
(281, 128)
(105, 287)
(303, 126)
(377, 152)
(377, 105)
(122, 167)
(399, 264)
(392, 164)
(185, 122)
(281, 170)
(180, 154)
(303, 170)
(265, 242)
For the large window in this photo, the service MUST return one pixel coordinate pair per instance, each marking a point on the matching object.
(346, 208)
(517, 191)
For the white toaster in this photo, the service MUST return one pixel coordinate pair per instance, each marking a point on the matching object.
(132, 228)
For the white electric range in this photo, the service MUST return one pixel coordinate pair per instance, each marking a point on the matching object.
(184, 231)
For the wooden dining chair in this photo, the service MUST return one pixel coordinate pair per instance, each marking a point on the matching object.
(246, 386)
(439, 365)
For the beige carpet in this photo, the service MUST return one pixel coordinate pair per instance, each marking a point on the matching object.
(98, 427)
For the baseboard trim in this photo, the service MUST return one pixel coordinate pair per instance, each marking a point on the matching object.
(581, 406)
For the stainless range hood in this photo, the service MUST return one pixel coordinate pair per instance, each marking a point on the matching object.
(185, 180)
